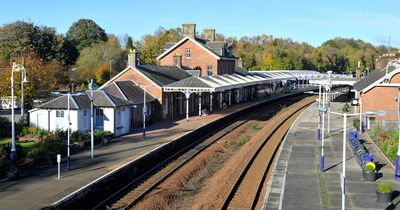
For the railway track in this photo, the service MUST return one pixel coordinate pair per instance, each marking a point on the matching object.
(246, 191)
(140, 187)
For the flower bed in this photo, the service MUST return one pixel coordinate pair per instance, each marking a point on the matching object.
(387, 141)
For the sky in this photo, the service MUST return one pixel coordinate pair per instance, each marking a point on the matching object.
(312, 21)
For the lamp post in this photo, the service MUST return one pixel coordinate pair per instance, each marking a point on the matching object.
(144, 112)
(92, 86)
(343, 174)
(23, 80)
(15, 68)
(68, 133)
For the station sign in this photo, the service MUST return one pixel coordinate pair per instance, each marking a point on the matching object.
(354, 101)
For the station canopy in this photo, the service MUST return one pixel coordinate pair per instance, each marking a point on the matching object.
(224, 82)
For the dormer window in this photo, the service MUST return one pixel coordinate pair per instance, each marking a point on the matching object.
(187, 53)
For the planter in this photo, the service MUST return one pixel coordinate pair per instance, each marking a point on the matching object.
(384, 197)
(369, 176)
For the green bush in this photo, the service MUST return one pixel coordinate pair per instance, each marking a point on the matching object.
(5, 126)
(385, 187)
(47, 149)
(346, 107)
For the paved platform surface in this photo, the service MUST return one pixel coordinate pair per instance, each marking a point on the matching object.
(297, 182)
(40, 187)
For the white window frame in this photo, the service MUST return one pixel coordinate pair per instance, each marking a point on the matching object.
(85, 119)
(188, 53)
(60, 114)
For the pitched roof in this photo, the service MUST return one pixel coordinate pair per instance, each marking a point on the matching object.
(213, 48)
(129, 90)
(75, 102)
(193, 82)
(371, 78)
(163, 75)
(82, 101)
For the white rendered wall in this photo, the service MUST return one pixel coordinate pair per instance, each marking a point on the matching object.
(123, 127)
(109, 119)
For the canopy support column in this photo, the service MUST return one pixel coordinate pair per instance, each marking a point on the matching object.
(200, 104)
(211, 101)
(220, 100)
(229, 100)
(237, 95)
(187, 96)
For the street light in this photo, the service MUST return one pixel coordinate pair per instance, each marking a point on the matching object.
(23, 80)
(15, 68)
(68, 133)
(92, 86)
(343, 174)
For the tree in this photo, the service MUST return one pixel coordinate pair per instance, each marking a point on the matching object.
(99, 55)
(41, 75)
(153, 45)
(84, 33)
(20, 38)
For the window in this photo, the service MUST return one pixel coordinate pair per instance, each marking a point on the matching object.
(187, 53)
(84, 119)
(60, 113)
(99, 117)
(209, 70)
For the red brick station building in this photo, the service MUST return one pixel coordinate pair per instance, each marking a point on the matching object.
(195, 76)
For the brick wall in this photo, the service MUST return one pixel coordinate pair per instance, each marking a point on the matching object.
(382, 98)
(199, 58)
(137, 77)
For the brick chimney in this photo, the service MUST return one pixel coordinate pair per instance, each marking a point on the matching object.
(189, 29)
(177, 60)
(209, 34)
(133, 58)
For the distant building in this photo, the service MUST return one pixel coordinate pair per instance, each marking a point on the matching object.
(206, 55)
(384, 59)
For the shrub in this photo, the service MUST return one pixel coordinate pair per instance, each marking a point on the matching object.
(5, 126)
(346, 107)
(385, 187)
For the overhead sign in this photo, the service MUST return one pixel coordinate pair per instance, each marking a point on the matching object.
(354, 101)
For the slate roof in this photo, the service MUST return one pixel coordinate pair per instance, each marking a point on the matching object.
(82, 101)
(132, 92)
(240, 70)
(61, 102)
(193, 82)
(163, 75)
(370, 79)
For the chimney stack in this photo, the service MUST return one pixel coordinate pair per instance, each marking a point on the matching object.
(189, 29)
(209, 34)
(177, 59)
(133, 58)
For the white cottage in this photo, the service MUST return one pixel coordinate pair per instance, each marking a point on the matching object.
(111, 113)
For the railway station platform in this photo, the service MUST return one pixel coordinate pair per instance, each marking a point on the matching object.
(39, 186)
(297, 182)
